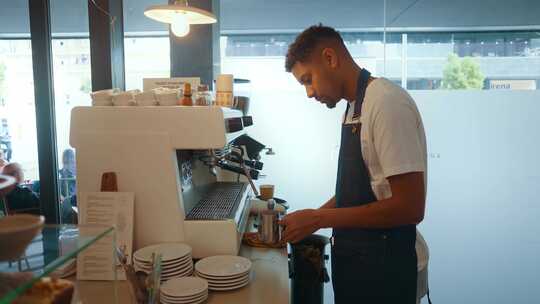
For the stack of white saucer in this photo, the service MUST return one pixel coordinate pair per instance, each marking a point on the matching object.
(176, 261)
(188, 290)
(224, 272)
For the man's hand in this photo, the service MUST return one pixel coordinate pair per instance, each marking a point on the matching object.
(300, 224)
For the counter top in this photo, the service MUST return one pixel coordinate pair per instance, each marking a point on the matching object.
(269, 279)
(269, 283)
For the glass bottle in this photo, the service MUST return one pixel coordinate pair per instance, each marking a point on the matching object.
(204, 97)
(187, 100)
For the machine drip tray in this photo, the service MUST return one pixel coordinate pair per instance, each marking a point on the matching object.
(220, 202)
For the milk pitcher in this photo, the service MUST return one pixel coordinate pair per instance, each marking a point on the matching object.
(269, 229)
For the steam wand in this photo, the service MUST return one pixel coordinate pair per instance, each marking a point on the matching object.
(240, 156)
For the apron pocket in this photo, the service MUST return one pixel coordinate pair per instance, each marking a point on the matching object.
(358, 270)
(366, 252)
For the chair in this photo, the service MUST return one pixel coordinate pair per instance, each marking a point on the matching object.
(5, 212)
(9, 211)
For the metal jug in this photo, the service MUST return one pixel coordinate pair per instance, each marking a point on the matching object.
(269, 229)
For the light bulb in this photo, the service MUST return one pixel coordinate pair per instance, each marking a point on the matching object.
(180, 25)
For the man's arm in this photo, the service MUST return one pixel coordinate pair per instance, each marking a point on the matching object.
(331, 203)
(406, 206)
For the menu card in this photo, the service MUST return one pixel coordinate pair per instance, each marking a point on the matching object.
(171, 83)
(105, 209)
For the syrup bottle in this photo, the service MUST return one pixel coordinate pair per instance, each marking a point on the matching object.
(187, 100)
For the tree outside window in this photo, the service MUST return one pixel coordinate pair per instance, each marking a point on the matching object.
(462, 73)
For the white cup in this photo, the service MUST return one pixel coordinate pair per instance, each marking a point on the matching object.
(102, 97)
(224, 83)
(123, 99)
(145, 98)
(224, 99)
(169, 98)
(102, 102)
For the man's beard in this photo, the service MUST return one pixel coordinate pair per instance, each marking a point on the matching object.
(330, 104)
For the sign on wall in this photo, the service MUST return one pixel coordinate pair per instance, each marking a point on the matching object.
(512, 84)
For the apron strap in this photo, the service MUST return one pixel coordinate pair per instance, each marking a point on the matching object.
(428, 298)
(361, 92)
(361, 86)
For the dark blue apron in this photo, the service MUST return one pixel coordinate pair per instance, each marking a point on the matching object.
(368, 265)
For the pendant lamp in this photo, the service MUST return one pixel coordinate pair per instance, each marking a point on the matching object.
(180, 16)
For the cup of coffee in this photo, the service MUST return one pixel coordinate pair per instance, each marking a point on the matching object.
(266, 192)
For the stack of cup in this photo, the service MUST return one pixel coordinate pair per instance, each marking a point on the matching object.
(224, 90)
(166, 97)
(103, 97)
(125, 98)
(146, 98)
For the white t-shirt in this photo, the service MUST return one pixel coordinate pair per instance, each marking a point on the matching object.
(393, 141)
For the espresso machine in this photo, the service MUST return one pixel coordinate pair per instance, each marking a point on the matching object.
(191, 169)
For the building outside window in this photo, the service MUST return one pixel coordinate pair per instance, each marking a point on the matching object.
(146, 45)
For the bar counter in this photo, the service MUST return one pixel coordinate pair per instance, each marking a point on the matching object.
(269, 283)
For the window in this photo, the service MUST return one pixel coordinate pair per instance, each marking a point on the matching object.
(146, 45)
(72, 87)
(503, 60)
(146, 57)
(482, 144)
(18, 136)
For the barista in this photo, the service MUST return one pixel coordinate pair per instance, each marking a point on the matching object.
(380, 189)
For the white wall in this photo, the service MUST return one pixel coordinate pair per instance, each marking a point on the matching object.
(482, 212)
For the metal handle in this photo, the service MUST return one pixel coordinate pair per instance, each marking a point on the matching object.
(248, 176)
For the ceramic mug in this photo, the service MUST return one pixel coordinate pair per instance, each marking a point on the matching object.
(169, 98)
(102, 97)
(145, 98)
(123, 99)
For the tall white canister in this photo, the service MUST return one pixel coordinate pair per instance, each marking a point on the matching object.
(224, 90)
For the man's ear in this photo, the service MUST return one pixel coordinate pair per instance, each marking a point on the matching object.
(329, 57)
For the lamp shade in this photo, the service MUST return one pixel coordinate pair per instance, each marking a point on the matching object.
(167, 14)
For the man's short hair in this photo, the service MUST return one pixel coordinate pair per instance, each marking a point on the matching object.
(307, 41)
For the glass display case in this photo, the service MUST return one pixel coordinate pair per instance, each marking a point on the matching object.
(54, 252)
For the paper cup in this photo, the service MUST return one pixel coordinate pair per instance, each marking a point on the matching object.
(224, 82)
(266, 192)
(224, 99)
